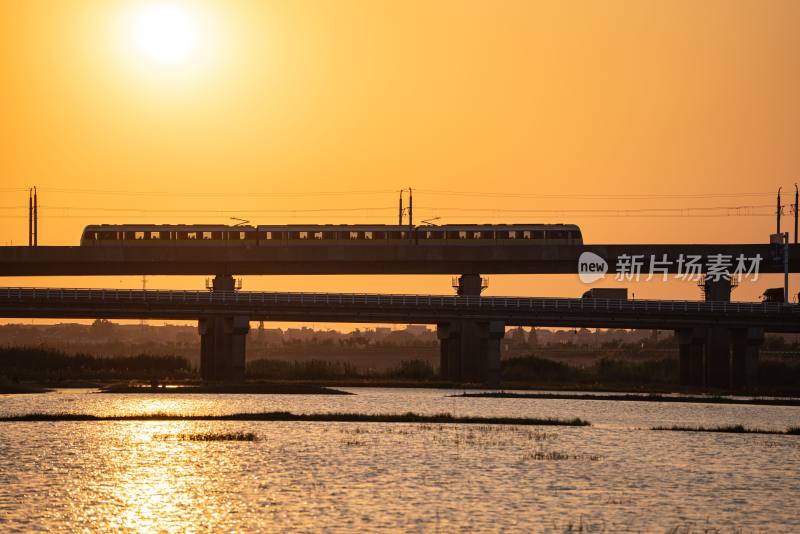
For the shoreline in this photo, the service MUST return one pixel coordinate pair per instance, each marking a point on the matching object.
(338, 417)
(623, 397)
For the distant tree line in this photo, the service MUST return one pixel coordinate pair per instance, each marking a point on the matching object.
(43, 364)
(414, 369)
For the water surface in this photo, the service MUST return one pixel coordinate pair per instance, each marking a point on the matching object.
(615, 476)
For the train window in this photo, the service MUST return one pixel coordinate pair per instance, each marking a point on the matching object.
(556, 234)
(354, 235)
(397, 235)
(139, 235)
(219, 236)
(107, 236)
(538, 234)
(318, 235)
(434, 234)
(487, 234)
(476, 235)
(526, 234)
(192, 235)
(302, 235)
(367, 235)
(235, 236)
(251, 235)
(501, 234)
(451, 235)
(379, 235)
(206, 235)
(155, 235)
(128, 236)
(512, 234)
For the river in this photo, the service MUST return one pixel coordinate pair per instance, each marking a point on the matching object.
(615, 476)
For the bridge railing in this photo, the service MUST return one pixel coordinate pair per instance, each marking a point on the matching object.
(392, 300)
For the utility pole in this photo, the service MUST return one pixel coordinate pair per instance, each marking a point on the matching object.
(35, 219)
(30, 217)
(786, 267)
(400, 213)
(778, 213)
(796, 198)
(410, 211)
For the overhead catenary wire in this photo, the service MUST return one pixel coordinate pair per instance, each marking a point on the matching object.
(591, 196)
(315, 193)
(683, 210)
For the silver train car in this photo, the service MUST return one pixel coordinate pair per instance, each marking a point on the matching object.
(194, 235)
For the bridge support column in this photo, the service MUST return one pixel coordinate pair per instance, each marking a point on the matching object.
(470, 351)
(744, 357)
(718, 357)
(691, 364)
(469, 285)
(223, 341)
(718, 339)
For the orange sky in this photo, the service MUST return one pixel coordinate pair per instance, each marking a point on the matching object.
(282, 100)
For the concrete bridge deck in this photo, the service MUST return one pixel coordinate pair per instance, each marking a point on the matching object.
(381, 308)
(355, 258)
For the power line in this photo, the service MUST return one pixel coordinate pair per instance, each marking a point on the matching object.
(686, 210)
(586, 196)
(581, 216)
(196, 194)
(487, 194)
(212, 211)
(589, 211)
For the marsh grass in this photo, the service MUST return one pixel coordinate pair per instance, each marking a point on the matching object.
(653, 397)
(408, 417)
(727, 429)
(690, 528)
(208, 436)
(559, 456)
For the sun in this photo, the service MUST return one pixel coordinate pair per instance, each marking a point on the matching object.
(166, 34)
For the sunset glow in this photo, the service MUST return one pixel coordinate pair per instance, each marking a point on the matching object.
(165, 33)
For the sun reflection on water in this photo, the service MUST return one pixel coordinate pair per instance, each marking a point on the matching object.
(157, 485)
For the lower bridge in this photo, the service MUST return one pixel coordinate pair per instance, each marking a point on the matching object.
(719, 340)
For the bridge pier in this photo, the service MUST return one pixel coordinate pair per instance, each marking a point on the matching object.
(470, 351)
(470, 285)
(223, 341)
(718, 338)
(691, 343)
(744, 357)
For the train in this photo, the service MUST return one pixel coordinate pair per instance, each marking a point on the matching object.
(310, 234)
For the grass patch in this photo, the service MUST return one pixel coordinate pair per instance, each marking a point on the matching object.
(8, 388)
(251, 388)
(558, 456)
(727, 429)
(630, 397)
(408, 417)
(208, 436)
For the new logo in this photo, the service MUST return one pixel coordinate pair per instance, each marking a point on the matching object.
(591, 267)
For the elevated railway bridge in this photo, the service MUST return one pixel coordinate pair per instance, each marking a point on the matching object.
(719, 340)
(469, 327)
